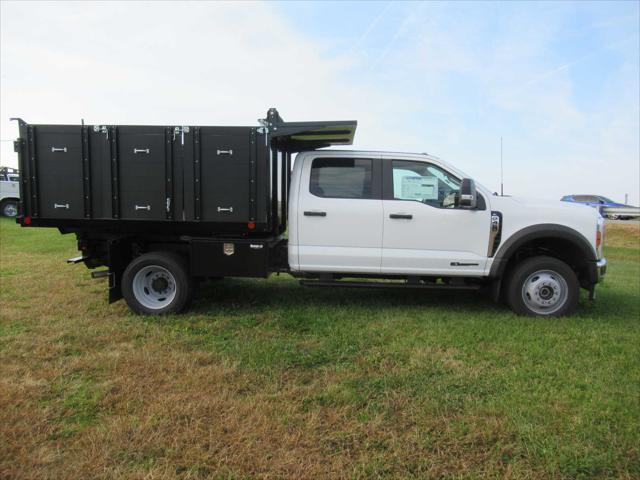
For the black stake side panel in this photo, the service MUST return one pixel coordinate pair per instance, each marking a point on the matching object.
(142, 171)
(225, 174)
(221, 184)
(217, 177)
(59, 166)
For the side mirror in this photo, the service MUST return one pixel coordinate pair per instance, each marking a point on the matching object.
(468, 195)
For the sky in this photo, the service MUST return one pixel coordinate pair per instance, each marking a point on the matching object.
(558, 81)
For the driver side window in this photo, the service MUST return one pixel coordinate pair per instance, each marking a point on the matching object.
(424, 182)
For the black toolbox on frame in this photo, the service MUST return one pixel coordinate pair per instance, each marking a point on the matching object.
(186, 180)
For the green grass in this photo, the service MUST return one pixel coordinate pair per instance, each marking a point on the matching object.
(75, 400)
(268, 379)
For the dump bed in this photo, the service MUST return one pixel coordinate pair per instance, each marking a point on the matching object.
(184, 179)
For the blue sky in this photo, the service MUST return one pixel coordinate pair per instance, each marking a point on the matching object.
(552, 78)
(558, 80)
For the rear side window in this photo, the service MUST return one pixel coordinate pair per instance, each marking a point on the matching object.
(341, 178)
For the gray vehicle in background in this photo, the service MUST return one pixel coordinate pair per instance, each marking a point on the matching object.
(9, 191)
(607, 208)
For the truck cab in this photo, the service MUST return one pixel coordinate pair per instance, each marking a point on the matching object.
(416, 217)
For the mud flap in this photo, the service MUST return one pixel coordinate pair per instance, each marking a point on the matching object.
(119, 256)
(494, 288)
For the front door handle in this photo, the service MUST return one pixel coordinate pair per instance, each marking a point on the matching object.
(315, 214)
(403, 216)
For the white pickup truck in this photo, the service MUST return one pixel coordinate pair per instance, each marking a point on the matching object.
(162, 206)
(9, 191)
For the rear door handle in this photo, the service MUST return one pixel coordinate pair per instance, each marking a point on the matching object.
(315, 214)
(404, 216)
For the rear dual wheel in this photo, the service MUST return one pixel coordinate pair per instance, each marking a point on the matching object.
(157, 283)
(542, 287)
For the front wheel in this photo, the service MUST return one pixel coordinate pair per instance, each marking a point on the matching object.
(543, 287)
(157, 283)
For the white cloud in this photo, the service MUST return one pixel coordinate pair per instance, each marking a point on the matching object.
(170, 64)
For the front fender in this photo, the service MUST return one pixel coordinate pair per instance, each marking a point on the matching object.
(536, 232)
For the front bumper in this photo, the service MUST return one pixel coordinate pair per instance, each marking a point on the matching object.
(601, 269)
(597, 271)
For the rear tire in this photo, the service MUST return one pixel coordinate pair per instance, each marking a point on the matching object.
(157, 283)
(542, 287)
(9, 208)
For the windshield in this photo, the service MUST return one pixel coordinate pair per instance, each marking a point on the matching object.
(451, 180)
(423, 182)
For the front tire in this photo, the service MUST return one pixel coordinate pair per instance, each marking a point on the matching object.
(157, 283)
(543, 287)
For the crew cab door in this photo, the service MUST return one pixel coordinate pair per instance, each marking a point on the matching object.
(421, 235)
(339, 215)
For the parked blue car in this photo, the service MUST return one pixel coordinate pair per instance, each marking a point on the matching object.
(596, 201)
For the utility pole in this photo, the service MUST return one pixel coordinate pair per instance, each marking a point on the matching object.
(626, 199)
(501, 171)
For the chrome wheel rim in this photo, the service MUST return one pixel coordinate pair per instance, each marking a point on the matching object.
(10, 210)
(154, 287)
(545, 292)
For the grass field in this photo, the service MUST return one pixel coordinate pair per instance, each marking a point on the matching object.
(266, 379)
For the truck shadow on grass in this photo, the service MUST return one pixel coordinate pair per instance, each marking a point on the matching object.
(287, 292)
(238, 297)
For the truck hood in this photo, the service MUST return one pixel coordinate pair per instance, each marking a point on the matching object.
(519, 213)
(547, 211)
(538, 203)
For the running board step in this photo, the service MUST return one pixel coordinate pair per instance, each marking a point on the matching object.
(100, 274)
(337, 283)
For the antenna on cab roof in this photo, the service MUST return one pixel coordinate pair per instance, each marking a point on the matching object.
(501, 171)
